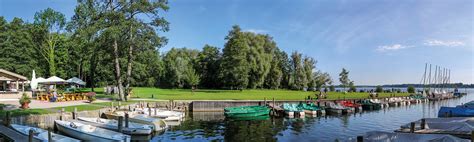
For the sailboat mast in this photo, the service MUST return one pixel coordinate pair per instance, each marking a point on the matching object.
(429, 80)
(424, 78)
(435, 78)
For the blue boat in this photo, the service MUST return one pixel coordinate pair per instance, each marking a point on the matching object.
(456, 112)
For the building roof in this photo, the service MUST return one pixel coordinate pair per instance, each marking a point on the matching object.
(13, 76)
(3, 78)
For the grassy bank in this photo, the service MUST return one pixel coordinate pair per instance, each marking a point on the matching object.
(206, 94)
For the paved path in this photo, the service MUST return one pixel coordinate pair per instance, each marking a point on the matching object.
(43, 104)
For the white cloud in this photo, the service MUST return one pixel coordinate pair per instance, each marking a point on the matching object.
(391, 47)
(256, 31)
(443, 43)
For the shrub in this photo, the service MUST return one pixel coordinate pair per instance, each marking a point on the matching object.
(352, 89)
(332, 88)
(379, 89)
(411, 89)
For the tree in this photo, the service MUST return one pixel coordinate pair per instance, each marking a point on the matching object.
(50, 24)
(411, 89)
(209, 66)
(309, 64)
(379, 89)
(235, 66)
(352, 87)
(344, 78)
(17, 54)
(298, 78)
(192, 78)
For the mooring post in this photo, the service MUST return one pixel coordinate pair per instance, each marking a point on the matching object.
(360, 138)
(265, 101)
(472, 136)
(126, 120)
(120, 123)
(129, 108)
(7, 120)
(30, 135)
(149, 111)
(412, 127)
(50, 138)
(74, 114)
(423, 123)
(156, 107)
(61, 114)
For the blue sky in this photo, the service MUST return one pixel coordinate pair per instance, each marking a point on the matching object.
(378, 41)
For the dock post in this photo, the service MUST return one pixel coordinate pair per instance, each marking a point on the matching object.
(156, 107)
(273, 107)
(472, 136)
(30, 135)
(360, 138)
(120, 123)
(412, 127)
(74, 113)
(149, 111)
(423, 123)
(8, 119)
(61, 115)
(126, 120)
(50, 138)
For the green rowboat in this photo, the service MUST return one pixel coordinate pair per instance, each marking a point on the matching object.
(246, 111)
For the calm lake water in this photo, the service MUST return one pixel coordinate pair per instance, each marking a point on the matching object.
(214, 127)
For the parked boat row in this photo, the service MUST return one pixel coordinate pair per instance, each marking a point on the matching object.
(112, 129)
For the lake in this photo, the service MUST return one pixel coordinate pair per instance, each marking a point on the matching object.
(207, 126)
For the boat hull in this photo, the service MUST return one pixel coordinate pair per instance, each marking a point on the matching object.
(85, 136)
(158, 125)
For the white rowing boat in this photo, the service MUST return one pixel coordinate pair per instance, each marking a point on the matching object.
(157, 123)
(90, 133)
(111, 124)
(42, 134)
(165, 114)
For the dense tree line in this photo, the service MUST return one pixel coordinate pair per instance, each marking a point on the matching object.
(248, 60)
(118, 42)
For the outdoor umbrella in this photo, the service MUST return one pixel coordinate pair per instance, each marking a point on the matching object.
(76, 80)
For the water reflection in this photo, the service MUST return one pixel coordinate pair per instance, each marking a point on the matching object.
(212, 126)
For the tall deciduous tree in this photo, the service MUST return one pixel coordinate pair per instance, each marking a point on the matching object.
(344, 78)
(50, 24)
(209, 66)
(235, 66)
(298, 77)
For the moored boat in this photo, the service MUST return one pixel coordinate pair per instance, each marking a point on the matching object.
(352, 105)
(292, 109)
(402, 137)
(90, 133)
(456, 112)
(111, 124)
(246, 111)
(157, 123)
(41, 134)
(335, 108)
(312, 108)
(165, 114)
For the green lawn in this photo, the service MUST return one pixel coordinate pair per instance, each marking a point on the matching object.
(206, 94)
(201, 94)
